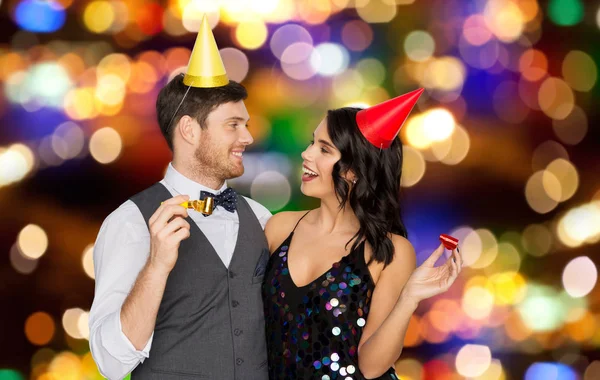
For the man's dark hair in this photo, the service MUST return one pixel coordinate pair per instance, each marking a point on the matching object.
(198, 103)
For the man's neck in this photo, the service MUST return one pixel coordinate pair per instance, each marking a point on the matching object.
(205, 180)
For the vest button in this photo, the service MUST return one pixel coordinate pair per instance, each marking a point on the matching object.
(239, 361)
(238, 332)
(235, 303)
(231, 274)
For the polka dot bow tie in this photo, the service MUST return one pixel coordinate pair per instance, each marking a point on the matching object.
(227, 199)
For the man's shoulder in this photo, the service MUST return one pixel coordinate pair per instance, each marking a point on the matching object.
(126, 213)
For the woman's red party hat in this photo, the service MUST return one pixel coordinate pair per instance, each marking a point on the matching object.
(381, 123)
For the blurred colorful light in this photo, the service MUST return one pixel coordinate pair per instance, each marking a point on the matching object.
(105, 145)
(473, 360)
(287, 35)
(580, 276)
(565, 12)
(580, 71)
(40, 16)
(329, 59)
(550, 371)
(33, 241)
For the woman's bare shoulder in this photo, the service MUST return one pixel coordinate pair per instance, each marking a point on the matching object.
(280, 226)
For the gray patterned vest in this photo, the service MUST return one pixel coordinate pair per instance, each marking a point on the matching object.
(210, 323)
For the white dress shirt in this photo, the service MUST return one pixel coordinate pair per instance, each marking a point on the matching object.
(121, 251)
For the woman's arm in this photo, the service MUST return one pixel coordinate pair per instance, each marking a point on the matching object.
(383, 337)
(396, 297)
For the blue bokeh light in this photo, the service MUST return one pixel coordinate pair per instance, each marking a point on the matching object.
(40, 16)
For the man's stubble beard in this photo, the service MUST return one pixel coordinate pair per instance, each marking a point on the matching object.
(208, 163)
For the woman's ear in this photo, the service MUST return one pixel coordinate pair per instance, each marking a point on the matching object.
(350, 176)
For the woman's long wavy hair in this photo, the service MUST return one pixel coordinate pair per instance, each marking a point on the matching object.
(375, 198)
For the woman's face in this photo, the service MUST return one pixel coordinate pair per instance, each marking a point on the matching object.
(319, 158)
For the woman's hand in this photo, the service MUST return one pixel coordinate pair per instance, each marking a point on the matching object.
(427, 280)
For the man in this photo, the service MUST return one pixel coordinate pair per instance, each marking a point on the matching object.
(177, 291)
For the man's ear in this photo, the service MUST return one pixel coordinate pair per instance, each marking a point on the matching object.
(188, 129)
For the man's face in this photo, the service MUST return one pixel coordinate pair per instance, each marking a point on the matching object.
(224, 140)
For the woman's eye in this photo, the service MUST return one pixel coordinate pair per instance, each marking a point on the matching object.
(324, 150)
(311, 142)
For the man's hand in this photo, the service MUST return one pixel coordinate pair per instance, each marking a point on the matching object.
(168, 228)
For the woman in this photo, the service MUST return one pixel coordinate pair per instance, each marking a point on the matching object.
(341, 284)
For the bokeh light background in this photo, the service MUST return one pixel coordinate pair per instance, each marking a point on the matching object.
(501, 151)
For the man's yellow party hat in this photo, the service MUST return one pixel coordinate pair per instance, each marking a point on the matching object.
(205, 68)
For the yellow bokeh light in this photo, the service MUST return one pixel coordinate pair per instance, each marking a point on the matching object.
(438, 124)
(509, 288)
(70, 322)
(251, 34)
(472, 247)
(580, 225)
(413, 166)
(556, 99)
(32, 241)
(15, 163)
(566, 174)
(409, 369)
(376, 11)
(580, 71)
(477, 302)
(460, 144)
(79, 104)
(98, 16)
(65, 366)
(494, 372)
(473, 360)
(419, 45)
(116, 64)
(489, 249)
(88, 260)
(347, 85)
(535, 193)
(194, 12)
(537, 240)
(445, 73)
(505, 19)
(83, 325)
(508, 259)
(110, 90)
(105, 145)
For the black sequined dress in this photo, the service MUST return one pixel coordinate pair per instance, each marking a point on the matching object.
(313, 331)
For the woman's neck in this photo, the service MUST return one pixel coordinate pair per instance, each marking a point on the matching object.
(333, 220)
